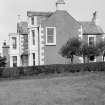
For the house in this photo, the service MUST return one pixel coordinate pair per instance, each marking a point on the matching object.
(92, 33)
(18, 51)
(39, 41)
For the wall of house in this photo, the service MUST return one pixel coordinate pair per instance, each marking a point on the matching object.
(14, 52)
(98, 39)
(66, 27)
(33, 48)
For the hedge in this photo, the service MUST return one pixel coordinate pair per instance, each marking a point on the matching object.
(50, 69)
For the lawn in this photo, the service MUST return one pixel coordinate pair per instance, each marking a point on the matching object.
(82, 89)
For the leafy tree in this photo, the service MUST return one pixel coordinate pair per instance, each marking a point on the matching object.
(92, 51)
(83, 51)
(2, 61)
(101, 48)
(87, 51)
(79, 48)
(70, 48)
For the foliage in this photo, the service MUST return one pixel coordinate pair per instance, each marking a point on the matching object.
(101, 48)
(2, 61)
(77, 47)
(70, 48)
(87, 51)
(51, 69)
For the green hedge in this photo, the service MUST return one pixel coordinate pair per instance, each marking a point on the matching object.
(50, 69)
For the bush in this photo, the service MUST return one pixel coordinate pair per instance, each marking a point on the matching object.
(10, 72)
(51, 69)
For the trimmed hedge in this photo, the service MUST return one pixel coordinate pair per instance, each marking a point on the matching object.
(51, 69)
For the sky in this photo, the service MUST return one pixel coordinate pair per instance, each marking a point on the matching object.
(81, 10)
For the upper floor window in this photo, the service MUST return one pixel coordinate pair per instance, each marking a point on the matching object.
(91, 40)
(51, 35)
(33, 37)
(14, 43)
(32, 20)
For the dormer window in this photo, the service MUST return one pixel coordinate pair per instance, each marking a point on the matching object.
(51, 35)
(32, 20)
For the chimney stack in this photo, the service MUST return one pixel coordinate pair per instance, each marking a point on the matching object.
(60, 5)
(95, 18)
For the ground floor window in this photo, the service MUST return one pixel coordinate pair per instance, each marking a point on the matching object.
(92, 58)
(24, 59)
(14, 61)
(33, 59)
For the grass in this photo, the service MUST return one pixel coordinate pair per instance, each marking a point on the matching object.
(79, 89)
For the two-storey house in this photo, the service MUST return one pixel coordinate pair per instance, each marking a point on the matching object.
(39, 42)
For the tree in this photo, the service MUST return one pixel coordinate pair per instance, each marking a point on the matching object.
(83, 51)
(87, 51)
(70, 49)
(2, 61)
(101, 48)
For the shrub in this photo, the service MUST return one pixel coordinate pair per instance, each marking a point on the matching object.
(51, 69)
(10, 72)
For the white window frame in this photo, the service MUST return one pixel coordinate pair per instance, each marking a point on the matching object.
(33, 37)
(15, 61)
(94, 44)
(54, 43)
(94, 39)
(14, 43)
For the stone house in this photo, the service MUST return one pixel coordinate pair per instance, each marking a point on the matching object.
(39, 41)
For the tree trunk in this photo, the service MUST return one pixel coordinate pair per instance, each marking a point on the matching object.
(72, 59)
(84, 59)
(103, 58)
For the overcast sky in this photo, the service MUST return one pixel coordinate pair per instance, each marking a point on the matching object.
(79, 9)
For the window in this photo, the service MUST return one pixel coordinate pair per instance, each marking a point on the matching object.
(14, 61)
(14, 43)
(91, 40)
(32, 20)
(33, 37)
(50, 35)
(92, 58)
(33, 59)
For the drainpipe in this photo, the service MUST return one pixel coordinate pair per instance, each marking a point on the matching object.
(38, 45)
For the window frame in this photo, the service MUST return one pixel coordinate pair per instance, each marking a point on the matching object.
(94, 36)
(54, 36)
(14, 64)
(32, 20)
(33, 55)
(14, 42)
(33, 37)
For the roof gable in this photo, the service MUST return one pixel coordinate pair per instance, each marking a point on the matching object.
(90, 28)
(61, 16)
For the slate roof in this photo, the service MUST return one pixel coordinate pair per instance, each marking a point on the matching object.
(90, 28)
(22, 28)
(32, 13)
